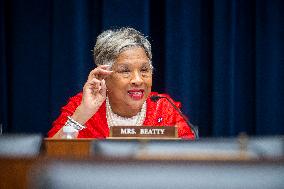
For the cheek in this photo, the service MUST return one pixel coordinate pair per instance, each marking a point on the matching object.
(115, 84)
(148, 86)
(148, 82)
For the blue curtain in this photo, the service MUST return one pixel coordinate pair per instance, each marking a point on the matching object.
(222, 59)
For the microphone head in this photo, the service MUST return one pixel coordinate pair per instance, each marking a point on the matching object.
(155, 98)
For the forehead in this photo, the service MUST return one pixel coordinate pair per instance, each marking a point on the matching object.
(132, 56)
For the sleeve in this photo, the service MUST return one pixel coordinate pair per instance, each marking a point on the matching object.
(184, 131)
(66, 110)
(174, 118)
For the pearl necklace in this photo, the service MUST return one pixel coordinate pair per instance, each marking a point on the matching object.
(115, 120)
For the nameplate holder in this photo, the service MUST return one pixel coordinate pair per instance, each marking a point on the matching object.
(143, 132)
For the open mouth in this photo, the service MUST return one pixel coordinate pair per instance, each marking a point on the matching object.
(136, 94)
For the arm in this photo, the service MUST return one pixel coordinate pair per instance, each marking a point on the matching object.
(67, 110)
(183, 129)
(94, 94)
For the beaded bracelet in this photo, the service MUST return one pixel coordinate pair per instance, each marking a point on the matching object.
(71, 122)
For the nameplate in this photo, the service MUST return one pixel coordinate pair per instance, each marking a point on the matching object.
(143, 132)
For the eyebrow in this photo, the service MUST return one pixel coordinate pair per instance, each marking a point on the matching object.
(146, 64)
(126, 64)
(122, 66)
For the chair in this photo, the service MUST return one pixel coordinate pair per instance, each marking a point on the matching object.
(159, 174)
(20, 145)
(206, 148)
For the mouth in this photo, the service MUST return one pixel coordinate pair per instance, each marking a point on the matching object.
(136, 94)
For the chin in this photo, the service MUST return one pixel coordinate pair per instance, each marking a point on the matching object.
(136, 105)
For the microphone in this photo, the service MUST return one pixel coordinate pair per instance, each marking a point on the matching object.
(156, 98)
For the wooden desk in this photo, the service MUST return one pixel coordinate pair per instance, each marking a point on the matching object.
(77, 148)
(18, 172)
(81, 148)
(14, 172)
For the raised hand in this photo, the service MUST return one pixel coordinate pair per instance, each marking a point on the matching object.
(94, 94)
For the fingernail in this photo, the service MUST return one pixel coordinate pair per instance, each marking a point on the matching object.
(107, 67)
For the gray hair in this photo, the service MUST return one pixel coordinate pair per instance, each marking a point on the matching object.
(111, 43)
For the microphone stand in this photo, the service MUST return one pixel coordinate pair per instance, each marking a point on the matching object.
(193, 128)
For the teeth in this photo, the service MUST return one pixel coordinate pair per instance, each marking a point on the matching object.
(135, 93)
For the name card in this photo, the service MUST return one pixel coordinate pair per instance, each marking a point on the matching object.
(143, 132)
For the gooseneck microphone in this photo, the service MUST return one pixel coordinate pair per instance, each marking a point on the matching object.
(156, 98)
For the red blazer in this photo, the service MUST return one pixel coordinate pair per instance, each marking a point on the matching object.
(159, 113)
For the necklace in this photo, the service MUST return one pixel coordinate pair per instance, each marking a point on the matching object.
(115, 120)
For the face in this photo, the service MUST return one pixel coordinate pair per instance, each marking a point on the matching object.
(130, 83)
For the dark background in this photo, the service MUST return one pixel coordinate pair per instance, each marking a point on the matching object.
(223, 59)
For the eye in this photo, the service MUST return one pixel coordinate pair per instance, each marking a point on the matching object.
(124, 70)
(145, 69)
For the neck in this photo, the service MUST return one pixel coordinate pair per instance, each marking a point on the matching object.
(122, 111)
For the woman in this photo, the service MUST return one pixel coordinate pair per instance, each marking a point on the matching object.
(118, 91)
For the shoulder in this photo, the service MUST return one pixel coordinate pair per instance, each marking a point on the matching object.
(73, 102)
(77, 97)
(161, 111)
(164, 101)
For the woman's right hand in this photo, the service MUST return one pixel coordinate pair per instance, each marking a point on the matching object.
(94, 94)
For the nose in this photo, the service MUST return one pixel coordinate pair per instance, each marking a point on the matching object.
(136, 79)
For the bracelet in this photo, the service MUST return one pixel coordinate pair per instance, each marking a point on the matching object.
(71, 122)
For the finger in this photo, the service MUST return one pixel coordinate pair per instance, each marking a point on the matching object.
(92, 84)
(99, 73)
(95, 83)
(94, 87)
(105, 67)
(103, 87)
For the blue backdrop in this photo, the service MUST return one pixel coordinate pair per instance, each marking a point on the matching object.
(224, 60)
